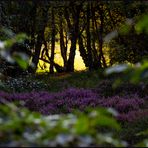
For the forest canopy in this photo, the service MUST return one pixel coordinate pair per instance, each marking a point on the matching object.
(103, 32)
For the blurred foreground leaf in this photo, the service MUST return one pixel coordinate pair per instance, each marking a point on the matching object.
(33, 129)
(142, 25)
(22, 59)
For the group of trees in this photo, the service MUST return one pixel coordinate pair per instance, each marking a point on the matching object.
(83, 23)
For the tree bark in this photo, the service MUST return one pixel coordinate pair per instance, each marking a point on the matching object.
(96, 60)
(89, 49)
(40, 38)
(82, 50)
(74, 32)
(62, 44)
(52, 41)
(100, 35)
(36, 56)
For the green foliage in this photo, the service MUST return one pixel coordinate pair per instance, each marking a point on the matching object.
(129, 48)
(22, 60)
(142, 25)
(138, 130)
(19, 38)
(144, 143)
(138, 72)
(6, 33)
(133, 74)
(25, 84)
(5, 48)
(77, 79)
(19, 127)
(130, 43)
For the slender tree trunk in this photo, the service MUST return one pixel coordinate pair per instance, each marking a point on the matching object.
(36, 56)
(82, 50)
(52, 41)
(88, 38)
(74, 32)
(100, 35)
(70, 63)
(38, 44)
(96, 60)
(62, 45)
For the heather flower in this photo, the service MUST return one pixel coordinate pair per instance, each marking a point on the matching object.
(122, 104)
(75, 99)
(133, 115)
(49, 109)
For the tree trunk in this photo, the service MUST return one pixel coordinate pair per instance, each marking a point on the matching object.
(52, 41)
(74, 32)
(82, 50)
(89, 50)
(100, 37)
(70, 63)
(40, 38)
(36, 56)
(96, 60)
(62, 45)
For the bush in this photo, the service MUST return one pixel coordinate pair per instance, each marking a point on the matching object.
(20, 127)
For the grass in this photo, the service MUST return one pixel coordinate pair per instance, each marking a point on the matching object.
(79, 79)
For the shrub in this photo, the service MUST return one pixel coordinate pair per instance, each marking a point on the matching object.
(21, 128)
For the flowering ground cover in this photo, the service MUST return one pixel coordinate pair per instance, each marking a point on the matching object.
(67, 97)
(129, 107)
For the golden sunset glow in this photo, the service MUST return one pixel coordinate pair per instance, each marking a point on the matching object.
(78, 64)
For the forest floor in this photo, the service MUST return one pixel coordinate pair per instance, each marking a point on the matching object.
(75, 91)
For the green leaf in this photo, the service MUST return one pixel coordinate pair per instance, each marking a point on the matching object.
(20, 37)
(22, 59)
(82, 125)
(9, 43)
(140, 73)
(108, 122)
(104, 117)
(142, 24)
